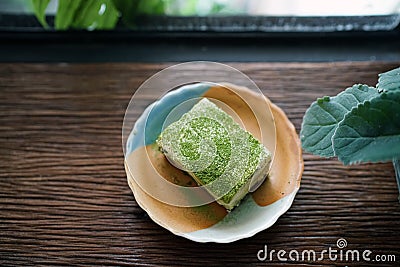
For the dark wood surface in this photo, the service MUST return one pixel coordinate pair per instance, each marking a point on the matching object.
(64, 198)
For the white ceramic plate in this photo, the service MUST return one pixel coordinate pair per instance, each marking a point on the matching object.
(211, 222)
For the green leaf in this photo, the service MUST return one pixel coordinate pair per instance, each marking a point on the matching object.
(323, 116)
(128, 10)
(125, 5)
(370, 132)
(389, 80)
(95, 14)
(39, 8)
(131, 9)
(65, 13)
(86, 14)
(152, 7)
(109, 19)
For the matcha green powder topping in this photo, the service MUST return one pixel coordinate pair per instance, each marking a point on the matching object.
(208, 143)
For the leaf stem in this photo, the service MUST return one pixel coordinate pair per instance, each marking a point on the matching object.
(396, 165)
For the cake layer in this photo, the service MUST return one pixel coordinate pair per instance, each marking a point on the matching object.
(208, 144)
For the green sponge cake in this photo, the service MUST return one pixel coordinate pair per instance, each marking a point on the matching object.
(221, 156)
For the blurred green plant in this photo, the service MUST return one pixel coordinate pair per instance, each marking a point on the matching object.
(104, 14)
(129, 9)
(39, 8)
(95, 14)
(198, 7)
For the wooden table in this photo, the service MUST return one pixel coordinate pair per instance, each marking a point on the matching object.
(64, 198)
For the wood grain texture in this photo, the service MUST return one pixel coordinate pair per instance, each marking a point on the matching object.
(64, 198)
